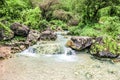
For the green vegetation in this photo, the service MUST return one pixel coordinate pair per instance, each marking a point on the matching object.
(7, 32)
(95, 17)
(108, 44)
(31, 17)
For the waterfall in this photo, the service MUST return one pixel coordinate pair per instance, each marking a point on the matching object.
(52, 49)
(62, 40)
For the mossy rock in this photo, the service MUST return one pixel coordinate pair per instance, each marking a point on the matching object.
(5, 32)
(105, 48)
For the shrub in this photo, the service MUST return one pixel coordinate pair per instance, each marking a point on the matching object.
(47, 8)
(105, 11)
(31, 17)
(5, 32)
(111, 25)
(108, 44)
(43, 25)
(13, 8)
(67, 5)
(62, 15)
(58, 24)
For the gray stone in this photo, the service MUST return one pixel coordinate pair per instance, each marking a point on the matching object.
(79, 42)
(33, 37)
(19, 29)
(48, 35)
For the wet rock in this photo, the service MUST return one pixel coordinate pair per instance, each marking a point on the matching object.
(106, 54)
(5, 33)
(33, 37)
(5, 52)
(79, 43)
(48, 47)
(48, 35)
(19, 29)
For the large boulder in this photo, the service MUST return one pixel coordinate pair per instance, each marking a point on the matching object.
(79, 43)
(19, 29)
(5, 32)
(62, 15)
(33, 37)
(105, 48)
(5, 52)
(48, 35)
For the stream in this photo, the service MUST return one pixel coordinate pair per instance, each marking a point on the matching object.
(39, 62)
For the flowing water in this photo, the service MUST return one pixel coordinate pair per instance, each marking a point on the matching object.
(34, 64)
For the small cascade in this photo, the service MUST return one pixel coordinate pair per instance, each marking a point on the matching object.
(69, 51)
(62, 40)
(29, 52)
(52, 49)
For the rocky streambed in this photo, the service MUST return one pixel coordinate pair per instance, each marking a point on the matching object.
(57, 56)
(82, 67)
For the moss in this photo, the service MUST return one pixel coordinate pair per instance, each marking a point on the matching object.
(108, 44)
(6, 32)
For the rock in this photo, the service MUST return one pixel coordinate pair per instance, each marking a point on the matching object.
(19, 29)
(62, 15)
(73, 22)
(48, 35)
(33, 37)
(17, 49)
(102, 48)
(17, 46)
(2, 34)
(5, 52)
(48, 47)
(5, 33)
(79, 43)
(106, 54)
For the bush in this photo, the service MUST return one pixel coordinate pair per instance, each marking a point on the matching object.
(108, 44)
(67, 5)
(62, 15)
(58, 24)
(5, 32)
(111, 25)
(31, 18)
(105, 11)
(43, 25)
(47, 8)
(12, 8)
